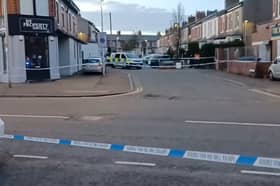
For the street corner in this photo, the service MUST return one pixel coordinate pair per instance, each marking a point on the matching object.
(115, 82)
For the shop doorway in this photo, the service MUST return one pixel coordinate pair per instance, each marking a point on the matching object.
(37, 58)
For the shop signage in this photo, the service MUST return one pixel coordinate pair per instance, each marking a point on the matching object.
(35, 25)
(30, 25)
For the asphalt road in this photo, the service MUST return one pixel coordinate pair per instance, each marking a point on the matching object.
(154, 118)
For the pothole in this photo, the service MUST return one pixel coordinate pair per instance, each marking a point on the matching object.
(152, 96)
(173, 98)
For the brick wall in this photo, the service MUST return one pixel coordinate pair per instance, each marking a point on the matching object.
(263, 33)
(196, 32)
(13, 6)
(52, 8)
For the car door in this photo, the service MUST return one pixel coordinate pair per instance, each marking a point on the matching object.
(123, 59)
(276, 67)
(117, 59)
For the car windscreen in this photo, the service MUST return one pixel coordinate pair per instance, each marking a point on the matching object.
(132, 56)
(91, 61)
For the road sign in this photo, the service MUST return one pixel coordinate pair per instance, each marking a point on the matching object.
(102, 39)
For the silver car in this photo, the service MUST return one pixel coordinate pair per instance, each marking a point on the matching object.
(92, 65)
(274, 69)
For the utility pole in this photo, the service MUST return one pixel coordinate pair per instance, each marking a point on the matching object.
(111, 31)
(6, 41)
(102, 47)
(101, 8)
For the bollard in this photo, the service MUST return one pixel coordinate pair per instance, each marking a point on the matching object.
(178, 65)
(2, 125)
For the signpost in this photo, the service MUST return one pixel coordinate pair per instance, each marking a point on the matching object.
(102, 42)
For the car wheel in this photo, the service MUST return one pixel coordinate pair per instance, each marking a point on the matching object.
(271, 77)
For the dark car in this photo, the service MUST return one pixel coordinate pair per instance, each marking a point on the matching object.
(161, 60)
(250, 59)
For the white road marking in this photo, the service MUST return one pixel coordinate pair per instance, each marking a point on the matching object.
(91, 118)
(233, 123)
(235, 82)
(130, 82)
(135, 163)
(33, 116)
(260, 173)
(31, 157)
(86, 91)
(264, 93)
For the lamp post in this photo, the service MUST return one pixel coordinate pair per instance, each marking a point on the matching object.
(245, 35)
(117, 44)
(6, 41)
(101, 11)
(102, 30)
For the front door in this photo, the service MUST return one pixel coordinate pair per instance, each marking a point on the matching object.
(37, 58)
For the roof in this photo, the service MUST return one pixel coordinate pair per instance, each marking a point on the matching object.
(72, 5)
(128, 37)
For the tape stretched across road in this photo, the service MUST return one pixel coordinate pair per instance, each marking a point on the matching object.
(234, 159)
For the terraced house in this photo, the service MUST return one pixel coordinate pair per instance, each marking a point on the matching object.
(237, 21)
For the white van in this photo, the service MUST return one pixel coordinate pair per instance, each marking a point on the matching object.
(126, 60)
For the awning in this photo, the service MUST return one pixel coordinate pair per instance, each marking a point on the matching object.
(260, 43)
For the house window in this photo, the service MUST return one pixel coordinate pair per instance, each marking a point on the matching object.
(57, 12)
(237, 20)
(74, 28)
(70, 23)
(62, 17)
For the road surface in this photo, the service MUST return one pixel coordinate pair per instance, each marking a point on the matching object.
(197, 110)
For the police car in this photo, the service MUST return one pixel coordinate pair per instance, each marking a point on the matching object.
(125, 60)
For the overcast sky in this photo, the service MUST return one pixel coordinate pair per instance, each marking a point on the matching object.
(150, 16)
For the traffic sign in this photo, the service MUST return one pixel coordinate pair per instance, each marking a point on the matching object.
(102, 39)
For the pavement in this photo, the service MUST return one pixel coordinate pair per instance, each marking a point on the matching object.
(81, 85)
(193, 110)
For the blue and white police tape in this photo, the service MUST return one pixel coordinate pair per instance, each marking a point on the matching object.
(173, 153)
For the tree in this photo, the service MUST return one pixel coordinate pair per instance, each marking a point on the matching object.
(193, 49)
(178, 19)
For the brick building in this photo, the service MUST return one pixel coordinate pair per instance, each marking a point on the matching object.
(275, 29)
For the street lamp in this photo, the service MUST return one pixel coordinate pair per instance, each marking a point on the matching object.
(101, 8)
(117, 44)
(245, 35)
(146, 44)
(6, 41)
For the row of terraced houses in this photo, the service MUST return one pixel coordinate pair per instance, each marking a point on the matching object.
(254, 22)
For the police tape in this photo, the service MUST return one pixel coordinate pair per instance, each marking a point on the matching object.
(235, 159)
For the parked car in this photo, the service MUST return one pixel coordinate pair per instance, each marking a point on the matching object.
(161, 60)
(126, 60)
(92, 65)
(274, 69)
(250, 59)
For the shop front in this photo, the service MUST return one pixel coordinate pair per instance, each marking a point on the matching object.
(40, 46)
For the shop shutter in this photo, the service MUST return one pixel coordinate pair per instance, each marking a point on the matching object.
(13, 6)
(52, 8)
